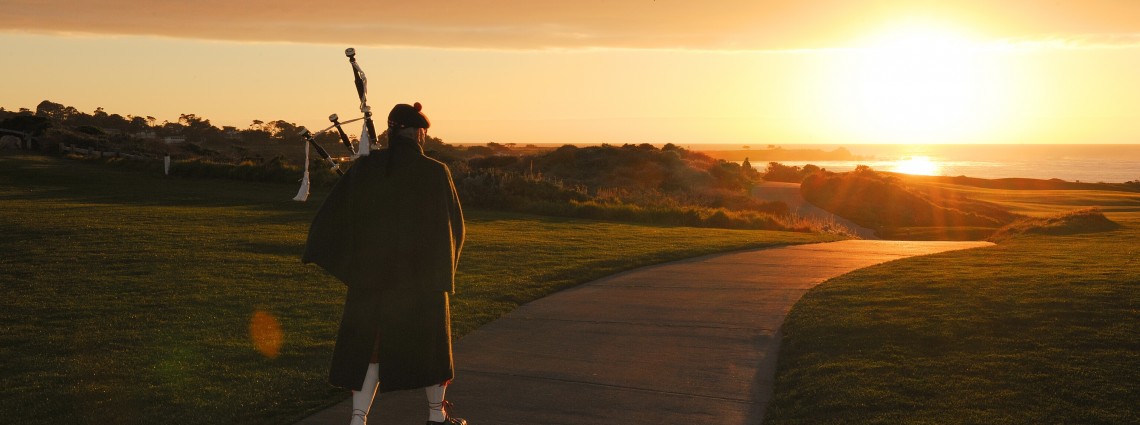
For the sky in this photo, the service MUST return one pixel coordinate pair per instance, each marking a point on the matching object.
(750, 72)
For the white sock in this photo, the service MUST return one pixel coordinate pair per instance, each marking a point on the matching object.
(362, 400)
(435, 402)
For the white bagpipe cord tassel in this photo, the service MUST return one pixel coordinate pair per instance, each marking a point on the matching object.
(303, 193)
(364, 149)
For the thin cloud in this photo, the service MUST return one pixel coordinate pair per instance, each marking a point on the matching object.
(1079, 41)
(513, 24)
(546, 24)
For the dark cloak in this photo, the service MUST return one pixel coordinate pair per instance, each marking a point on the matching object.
(391, 230)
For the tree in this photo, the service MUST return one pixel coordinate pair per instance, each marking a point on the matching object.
(255, 136)
(434, 143)
(192, 120)
(139, 123)
(282, 129)
(198, 128)
(498, 148)
(49, 109)
(55, 111)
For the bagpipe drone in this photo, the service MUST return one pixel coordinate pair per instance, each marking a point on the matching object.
(367, 133)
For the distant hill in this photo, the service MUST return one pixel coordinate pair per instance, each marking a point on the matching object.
(629, 174)
(1022, 183)
(777, 153)
(883, 201)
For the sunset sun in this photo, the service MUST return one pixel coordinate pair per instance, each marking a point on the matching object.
(917, 165)
(917, 84)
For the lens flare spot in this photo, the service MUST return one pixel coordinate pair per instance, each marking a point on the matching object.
(265, 332)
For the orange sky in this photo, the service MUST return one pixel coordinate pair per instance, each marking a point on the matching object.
(728, 71)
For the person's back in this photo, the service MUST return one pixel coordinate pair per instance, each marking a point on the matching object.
(409, 199)
(392, 230)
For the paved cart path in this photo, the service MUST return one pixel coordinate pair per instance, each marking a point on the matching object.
(688, 342)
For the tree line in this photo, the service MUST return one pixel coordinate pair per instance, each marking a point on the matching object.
(641, 183)
(192, 127)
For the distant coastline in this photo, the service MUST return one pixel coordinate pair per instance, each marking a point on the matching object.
(735, 153)
(779, 153)
(1074, 163)
(1109, 163)
(885, 152)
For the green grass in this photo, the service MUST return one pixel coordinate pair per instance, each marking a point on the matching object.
(1029, 202)
(1047, 202)
(1038, 329)
(128, 297)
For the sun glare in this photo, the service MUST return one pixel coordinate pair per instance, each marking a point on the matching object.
(918, 165)
(916, 84)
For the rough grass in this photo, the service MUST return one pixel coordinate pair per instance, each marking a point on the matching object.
(1040, 203)
(1085, 220)
(134, 298)
(1038, 329)
(1033, 202)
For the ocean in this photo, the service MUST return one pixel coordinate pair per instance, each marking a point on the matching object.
(1085, 163)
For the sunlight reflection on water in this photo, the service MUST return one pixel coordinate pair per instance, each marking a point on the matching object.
(1082, 169)
(920, 165)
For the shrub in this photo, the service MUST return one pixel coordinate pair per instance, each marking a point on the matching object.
(275, 170)
(777, 172)
(636, 183)
(87, 129)
(1087, 220)
(878, 200)
(498, 189)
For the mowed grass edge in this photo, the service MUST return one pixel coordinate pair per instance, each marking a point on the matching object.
(131, 298)
(1039, 329)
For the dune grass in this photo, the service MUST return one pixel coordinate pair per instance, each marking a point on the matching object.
(1038, 329)
(133, 298)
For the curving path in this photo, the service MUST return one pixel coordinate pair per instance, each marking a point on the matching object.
(688, 342)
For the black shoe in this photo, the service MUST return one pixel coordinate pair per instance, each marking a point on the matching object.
(448, 420)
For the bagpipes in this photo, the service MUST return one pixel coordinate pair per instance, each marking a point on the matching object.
(367, 133)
